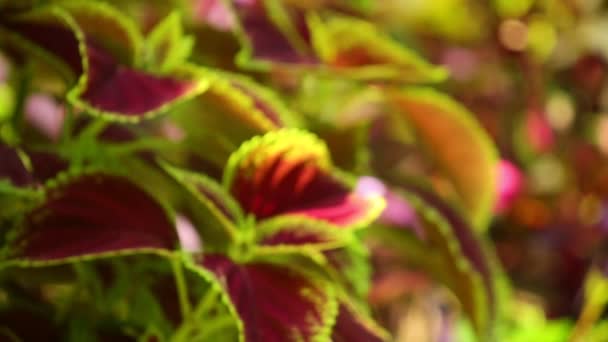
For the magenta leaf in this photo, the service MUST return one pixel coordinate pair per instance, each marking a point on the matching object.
(352, 326)
(46, 165)
(272, 33)
(12, 167)
(89, 215)
(276, 303)
(115, 88)
(287, 231)
(97, 49)
(289, 172)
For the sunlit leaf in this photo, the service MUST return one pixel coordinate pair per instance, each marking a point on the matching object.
(358, 49)
(458, 144)
(239, 108)
(286, 231)
(290, 172)
(167, 46)
(272, 34)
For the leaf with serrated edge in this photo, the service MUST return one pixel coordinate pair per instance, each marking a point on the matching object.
(271, 34)
(102, 82)
(353, 326)
(89, 215)
(214, 210)
(300, 231)
(236, 106)
(465, 265)
(262, 292)
(289, 172)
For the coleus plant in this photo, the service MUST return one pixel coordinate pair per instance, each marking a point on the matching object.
(265, 162)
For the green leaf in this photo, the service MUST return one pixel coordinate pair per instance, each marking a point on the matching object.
(166, 45)
(458, 144)
(109, 27)
(595, 301)
(356, 48)
(300, 232)
(351, 269)
(236, 106)
(216, 214)
(214, 316)
(457, 257)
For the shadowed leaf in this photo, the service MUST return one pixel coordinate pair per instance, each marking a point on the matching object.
(352, 326)
(12, 167)
(272, 34)
(276, 303)
(215, 212)
(89, 215)
(466, 267)
(236, 106)
(99, 60)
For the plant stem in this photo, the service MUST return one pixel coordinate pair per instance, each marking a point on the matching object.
(23, 87)
(595, 302)
(182, 290)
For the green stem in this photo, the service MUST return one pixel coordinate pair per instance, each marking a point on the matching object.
(184, 332)
(182, 290)
(596, 300)
(23, 86)
(68, 123)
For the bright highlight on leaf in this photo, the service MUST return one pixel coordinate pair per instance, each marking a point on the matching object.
(289, 172)
(357, 49)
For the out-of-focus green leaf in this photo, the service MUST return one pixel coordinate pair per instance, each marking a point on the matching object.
(459, 259)
(7, 102)
(356, 48)
(167, 46)
(458, 144)
(215, 213)
(236, 106)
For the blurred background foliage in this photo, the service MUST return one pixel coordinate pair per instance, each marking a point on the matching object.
(535, 75)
